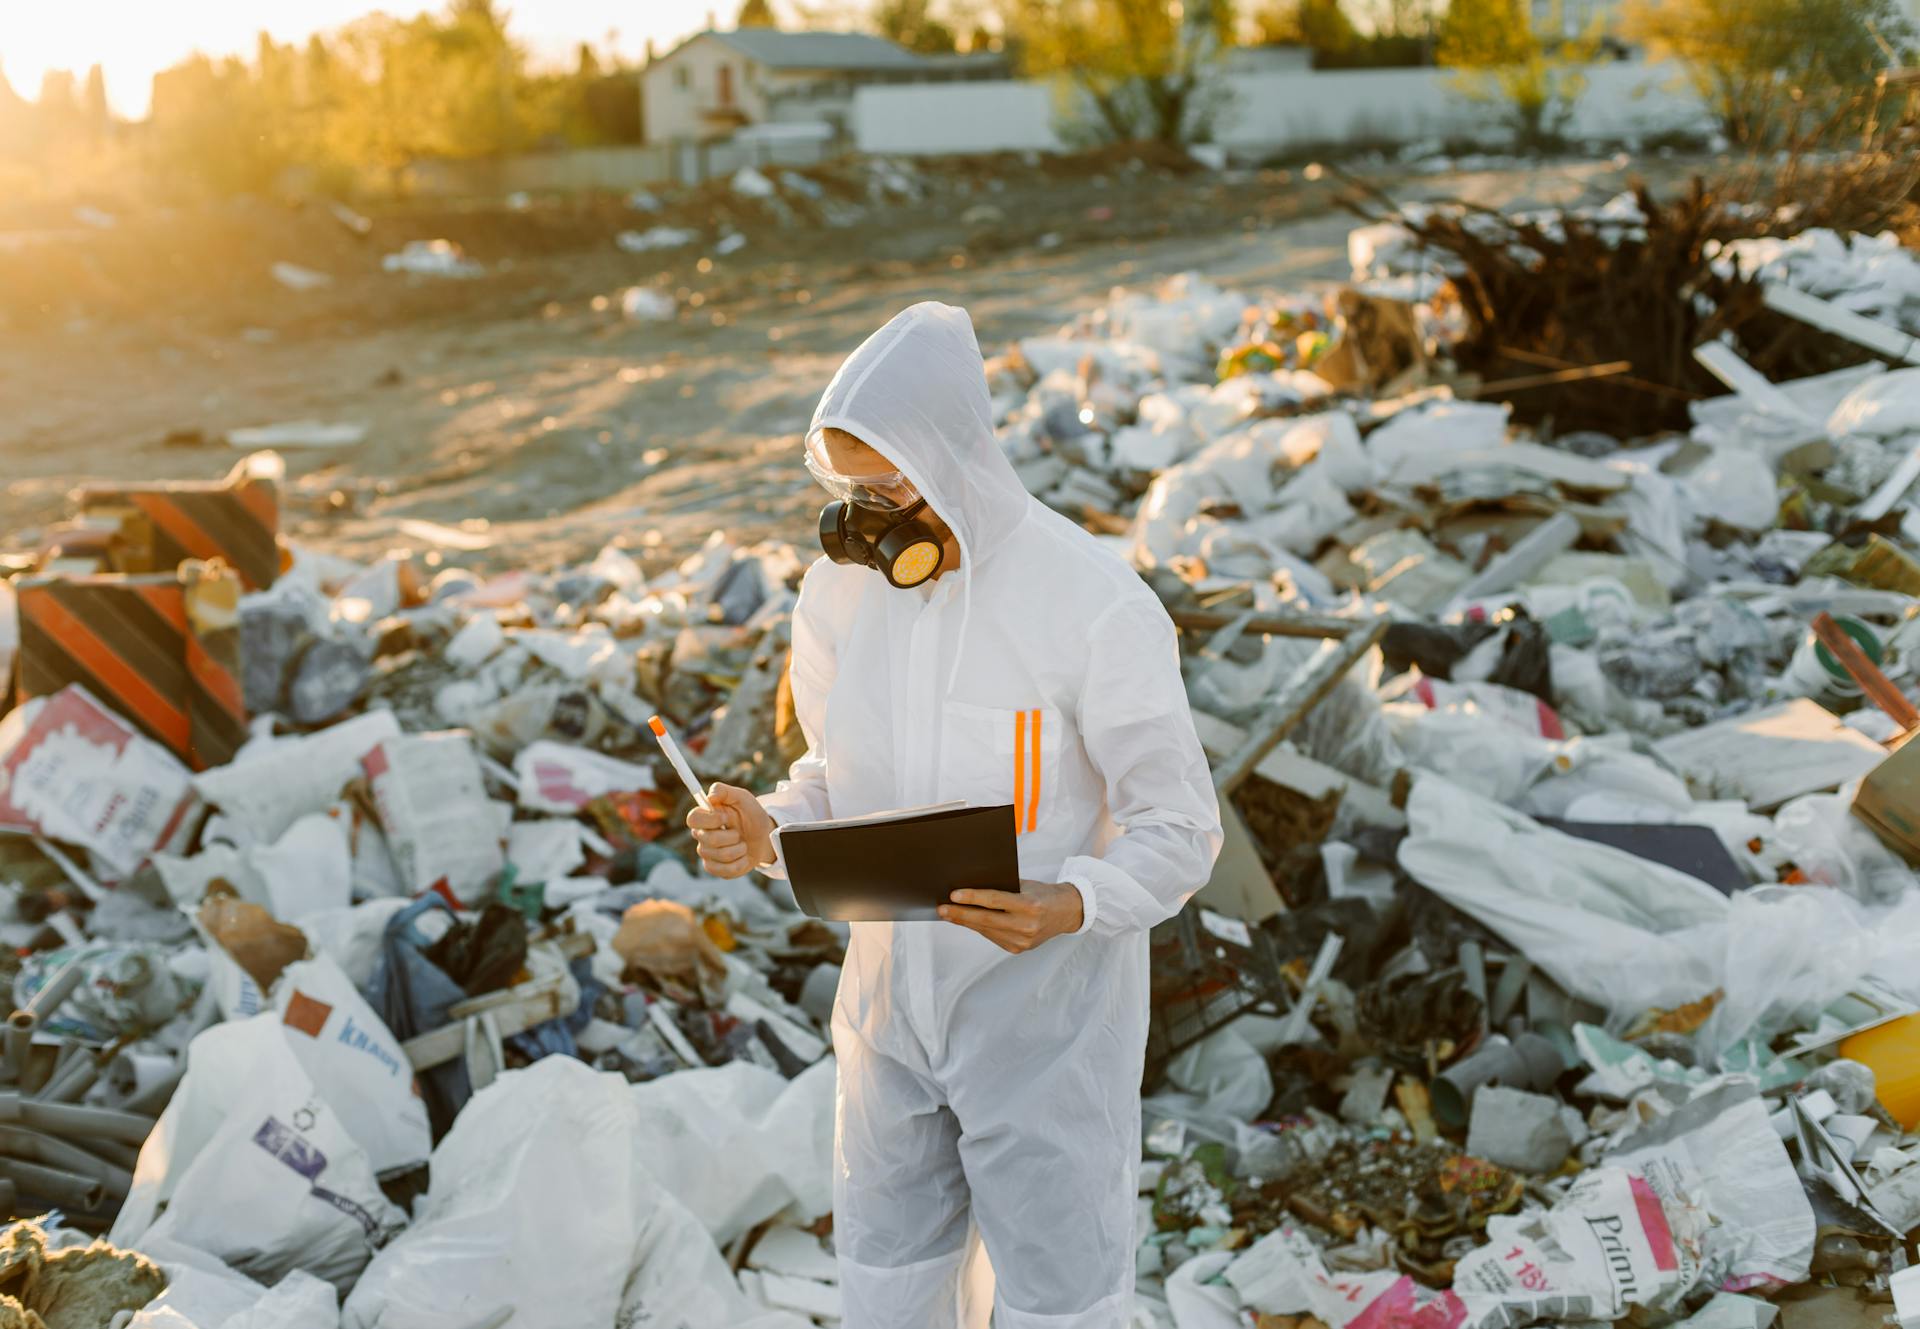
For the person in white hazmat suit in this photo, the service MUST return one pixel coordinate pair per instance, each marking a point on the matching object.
(990, 1063)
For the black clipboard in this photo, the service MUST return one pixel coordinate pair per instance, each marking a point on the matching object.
(901, 869)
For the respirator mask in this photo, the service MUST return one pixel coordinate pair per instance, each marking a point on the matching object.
(875, 521)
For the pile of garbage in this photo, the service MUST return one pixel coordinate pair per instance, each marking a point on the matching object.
(1560, 965)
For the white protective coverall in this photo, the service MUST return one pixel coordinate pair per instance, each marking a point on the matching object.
(978, 1086)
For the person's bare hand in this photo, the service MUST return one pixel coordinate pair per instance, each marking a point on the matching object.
(1020, 920)
(736, 836)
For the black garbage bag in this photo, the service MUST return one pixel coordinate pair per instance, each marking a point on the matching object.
(1525, 664)
(1432, 648)
(484, 955)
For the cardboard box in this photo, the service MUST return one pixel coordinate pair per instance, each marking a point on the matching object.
(75, 772)
(160, 526)
(163, 651)
(1889, 800)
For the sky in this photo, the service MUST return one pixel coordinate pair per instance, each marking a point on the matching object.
(134, 39)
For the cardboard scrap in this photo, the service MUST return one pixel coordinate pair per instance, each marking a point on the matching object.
(1769, 756)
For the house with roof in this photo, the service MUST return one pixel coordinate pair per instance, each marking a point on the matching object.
(715, 84)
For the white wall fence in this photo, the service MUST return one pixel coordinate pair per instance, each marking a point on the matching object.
(1274, 111)
(614, 169)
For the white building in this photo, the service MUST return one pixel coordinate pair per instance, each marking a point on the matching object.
(716, 83)
(1576, 18)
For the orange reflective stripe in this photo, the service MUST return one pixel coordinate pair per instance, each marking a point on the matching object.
(1033, 804)
(1019, 766)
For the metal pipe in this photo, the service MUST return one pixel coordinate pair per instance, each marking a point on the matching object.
(9, 1197)
(63, 1188)
(75, 1119)
(21, 1143)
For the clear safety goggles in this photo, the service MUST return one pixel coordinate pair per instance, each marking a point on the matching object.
(884, 491)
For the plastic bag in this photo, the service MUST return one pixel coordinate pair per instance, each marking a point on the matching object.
(250, 1164)
(1786, 953)
(359, 1065)
(541, 1201)
(737, 1144)
(1832, 847)
(413, 996)
(1476, 751)
(203, 1293)
(485, 954)
(1225, 1072)
(1614, 929)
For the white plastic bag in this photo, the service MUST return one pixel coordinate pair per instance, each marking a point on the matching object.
(1474, 750)
(1832, 847)
(203, 1293)
(250, 1164)
(1607, 926)
(359, 1065)
(737, 1144)
(540, 1201)
(1786, 953)
(1226, 1072)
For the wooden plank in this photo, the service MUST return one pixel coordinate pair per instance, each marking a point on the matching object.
(1878, 687)
(1829, 317)
(1269, 625)
(1313, 681)
(1562, 468)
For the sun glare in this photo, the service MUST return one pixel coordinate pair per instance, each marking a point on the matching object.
(132, 40)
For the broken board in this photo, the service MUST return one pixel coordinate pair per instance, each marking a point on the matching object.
(1769, 756)
(1240, 886)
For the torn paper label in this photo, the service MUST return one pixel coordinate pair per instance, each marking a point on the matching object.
(1609, 1245)
(438, 820)
(75, 772)
(559, 777)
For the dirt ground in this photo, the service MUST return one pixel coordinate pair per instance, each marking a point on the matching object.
(521, 405)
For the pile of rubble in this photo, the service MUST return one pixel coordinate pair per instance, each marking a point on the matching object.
(1559, 967)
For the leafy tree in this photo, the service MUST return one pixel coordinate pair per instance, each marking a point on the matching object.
(94, 102)
(912, 24)
(1145, 66)
(756, 14)
(1761, 65)
(1504, 61)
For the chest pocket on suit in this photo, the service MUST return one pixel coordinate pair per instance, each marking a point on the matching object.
(993, 755)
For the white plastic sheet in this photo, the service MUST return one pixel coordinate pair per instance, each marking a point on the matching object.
(255, 1168)
(737, 1144)
(1607, 926)
(541, 1201)
(203, 1293)
(353, 1057)
(1884, 407)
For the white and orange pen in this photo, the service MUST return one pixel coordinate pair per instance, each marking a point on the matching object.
(679, 760)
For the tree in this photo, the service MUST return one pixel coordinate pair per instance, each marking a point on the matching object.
(756, 14)
(1503, 60)
(1324, 26)
(94, 102)
(1762, 65)
(1145, 66)
(912, 24)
